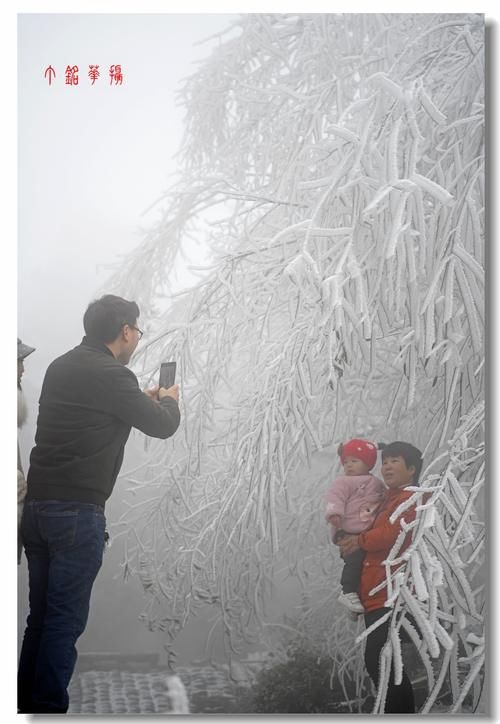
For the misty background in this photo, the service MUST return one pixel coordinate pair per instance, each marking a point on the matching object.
(92, 160)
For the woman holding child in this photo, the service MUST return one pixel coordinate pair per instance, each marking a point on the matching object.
(401, 466)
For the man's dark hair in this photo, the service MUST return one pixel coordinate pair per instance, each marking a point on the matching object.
(106, 316)
(410, 454)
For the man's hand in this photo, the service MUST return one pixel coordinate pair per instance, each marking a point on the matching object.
(152, 393)
(171, 392)
(348, 544)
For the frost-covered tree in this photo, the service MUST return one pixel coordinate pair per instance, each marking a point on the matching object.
(333, 166)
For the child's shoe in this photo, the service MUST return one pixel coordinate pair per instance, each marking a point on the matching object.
(352, 602)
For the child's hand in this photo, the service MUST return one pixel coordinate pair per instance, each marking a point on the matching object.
(335, 520)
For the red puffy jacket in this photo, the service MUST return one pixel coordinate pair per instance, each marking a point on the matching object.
(377, 542)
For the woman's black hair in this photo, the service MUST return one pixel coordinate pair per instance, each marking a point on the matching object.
(410, 454)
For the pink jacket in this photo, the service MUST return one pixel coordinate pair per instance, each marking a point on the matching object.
(356, 498)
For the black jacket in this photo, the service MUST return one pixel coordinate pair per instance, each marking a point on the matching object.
(88, 404)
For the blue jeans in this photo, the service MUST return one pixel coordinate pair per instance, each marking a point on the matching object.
(64, 543)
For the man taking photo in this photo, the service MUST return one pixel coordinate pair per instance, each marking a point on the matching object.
(88, 405)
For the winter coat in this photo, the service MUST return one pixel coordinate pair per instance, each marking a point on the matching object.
(377, 542)
(356, 498)
(88, 405)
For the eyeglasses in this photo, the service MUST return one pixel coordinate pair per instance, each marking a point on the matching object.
(141, 333)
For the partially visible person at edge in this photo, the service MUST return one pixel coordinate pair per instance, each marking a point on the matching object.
(401, 467)
(88, 405)
(23, 350)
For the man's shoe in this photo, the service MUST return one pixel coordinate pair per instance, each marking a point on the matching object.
(351, 601)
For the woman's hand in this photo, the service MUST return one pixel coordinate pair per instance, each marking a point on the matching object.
(348, 544)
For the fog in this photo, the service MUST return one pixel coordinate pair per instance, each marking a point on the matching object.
(92, 160)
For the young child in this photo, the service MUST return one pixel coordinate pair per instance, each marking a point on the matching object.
(352, 503)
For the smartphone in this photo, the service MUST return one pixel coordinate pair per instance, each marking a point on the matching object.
(167, 374)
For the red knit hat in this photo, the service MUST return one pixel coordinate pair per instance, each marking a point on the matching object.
(361, 449)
